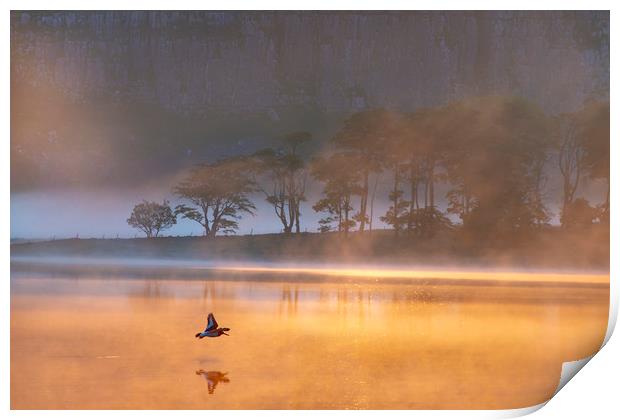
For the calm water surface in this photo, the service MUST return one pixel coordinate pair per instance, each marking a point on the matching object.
(92, 342)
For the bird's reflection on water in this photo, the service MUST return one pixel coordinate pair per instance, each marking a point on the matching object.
(213, 378)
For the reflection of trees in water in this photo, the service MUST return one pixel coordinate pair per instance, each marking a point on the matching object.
(342, 300)
(347, 299)
(213, 377)
(323, 295)
(208, 290)
(213, 291)
(409, 295)
(151, 289)
(362, 303)
(289, 299)
(360, 298)
(143, 294)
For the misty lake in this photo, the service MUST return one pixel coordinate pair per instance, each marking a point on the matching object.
(94, 342)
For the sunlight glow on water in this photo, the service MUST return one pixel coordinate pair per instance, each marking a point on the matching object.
(91, 342)
(431, 274)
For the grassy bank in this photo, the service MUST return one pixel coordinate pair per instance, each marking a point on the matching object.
(549, 248)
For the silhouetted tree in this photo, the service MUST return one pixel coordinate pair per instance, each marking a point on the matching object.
(426, 134)
(461, 151)
(595, 137)
(219, 195)
(151, 217)
(579, 214)
(395, 159)
(363, 135)
(287, 175)
(396, 215)
(341, 181)
(373, 195)
(493, 161)
(570, 158)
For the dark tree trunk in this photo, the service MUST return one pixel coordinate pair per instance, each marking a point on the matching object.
(346, 217)
(291, 215)
(372, 203)
(205, 213)
(431, 177)
(297, 216)
(414, 198)
(364, 202)
(215, 225)
(210, 229)
(426, 193)
(395, 201)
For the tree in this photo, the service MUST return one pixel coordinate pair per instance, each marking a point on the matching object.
(372, 203)
(397, 214)
(594, 135)
(151, 217)
(579, 213)
(493, 162)
(570, 159)
(461, 153)
(363, 135)
(341, 181)
(425, 134)
(286, 174)
(218, 194)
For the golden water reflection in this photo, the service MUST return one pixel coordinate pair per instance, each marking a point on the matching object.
(127, 343)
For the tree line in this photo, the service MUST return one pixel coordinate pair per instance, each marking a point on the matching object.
(494, 154)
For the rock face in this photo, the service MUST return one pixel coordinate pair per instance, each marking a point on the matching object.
(246, 76)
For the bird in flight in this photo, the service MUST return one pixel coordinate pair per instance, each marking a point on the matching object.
(212, 329)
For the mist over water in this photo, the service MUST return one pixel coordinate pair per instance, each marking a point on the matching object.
(116, 343)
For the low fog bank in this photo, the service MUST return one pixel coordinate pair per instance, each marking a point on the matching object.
(550, 249)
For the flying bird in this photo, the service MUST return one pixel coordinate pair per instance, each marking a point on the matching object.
(212, 329)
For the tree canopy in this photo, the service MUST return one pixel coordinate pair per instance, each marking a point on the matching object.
(286, 177)
(152, 218)
(218, 194)
(491, 157)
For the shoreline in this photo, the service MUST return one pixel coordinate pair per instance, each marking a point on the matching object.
(552, 249)
(197, 270)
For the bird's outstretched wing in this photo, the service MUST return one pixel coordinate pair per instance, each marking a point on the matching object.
(211, 323)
